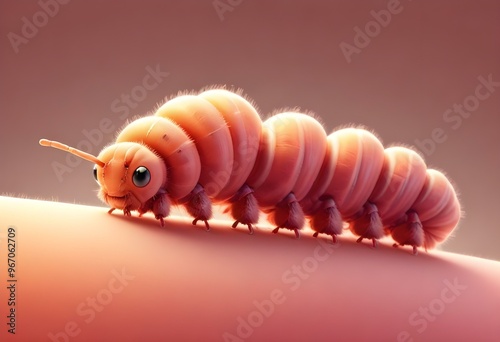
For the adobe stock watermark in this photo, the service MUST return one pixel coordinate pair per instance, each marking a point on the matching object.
(223, 6)
(121, 107)
(88, 309)
(31, 26)
(428, 314)
(457, 113)
(293, 278)
(364, 36)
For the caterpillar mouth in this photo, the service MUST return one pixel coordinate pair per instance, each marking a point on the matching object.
(116, 197)
(128, 201)
(118, 202)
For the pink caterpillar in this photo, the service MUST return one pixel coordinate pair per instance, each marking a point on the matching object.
(213, 147)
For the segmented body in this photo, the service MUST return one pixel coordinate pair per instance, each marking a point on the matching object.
(216, 149)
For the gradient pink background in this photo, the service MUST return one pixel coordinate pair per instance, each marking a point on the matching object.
(283, 54)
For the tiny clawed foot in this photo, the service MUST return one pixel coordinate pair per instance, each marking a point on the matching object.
(162, 222)
(206, 223)
(374, 241)
(334, 237)
(111, 210)
(250, 227)
(296, 231)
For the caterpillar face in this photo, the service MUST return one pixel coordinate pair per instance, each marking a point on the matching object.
(131, 175)
(217, 150)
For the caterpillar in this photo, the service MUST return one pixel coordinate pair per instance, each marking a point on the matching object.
(212, 147)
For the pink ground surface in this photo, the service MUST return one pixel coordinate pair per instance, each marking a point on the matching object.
(84, 275)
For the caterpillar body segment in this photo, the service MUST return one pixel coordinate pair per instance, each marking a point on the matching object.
(245, 129)
(298, 150)
(213, 148)
(399, 183)
(206, 127)
(436, 210)
(348, 175)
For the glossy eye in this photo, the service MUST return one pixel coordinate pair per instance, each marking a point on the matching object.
(141, 177)
(95, 174)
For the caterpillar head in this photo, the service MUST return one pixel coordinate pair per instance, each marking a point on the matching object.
(129, 174)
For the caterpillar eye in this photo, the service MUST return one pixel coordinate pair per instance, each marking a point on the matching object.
(141, 177)
(95, 174)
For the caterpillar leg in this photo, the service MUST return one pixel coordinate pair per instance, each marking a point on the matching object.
(410, 232)
(327, 220)
(126, 211)
(244, 208)
(161, 207)
(368, 225)
(288, 214)
(159, 204)
(296, 231)
(415, 250)
(198, 205)
(374, 241)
